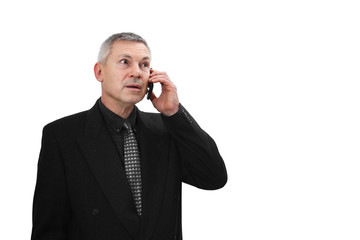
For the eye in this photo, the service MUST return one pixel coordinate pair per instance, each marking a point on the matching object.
(145, 65)
(124, 61)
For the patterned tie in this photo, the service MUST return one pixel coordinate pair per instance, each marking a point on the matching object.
(132, 165)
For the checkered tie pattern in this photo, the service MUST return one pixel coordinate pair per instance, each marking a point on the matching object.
(132, 165)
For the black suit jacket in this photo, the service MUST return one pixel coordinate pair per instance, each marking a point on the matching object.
(82, 192)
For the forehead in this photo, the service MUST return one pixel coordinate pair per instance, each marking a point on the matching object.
(133, 49)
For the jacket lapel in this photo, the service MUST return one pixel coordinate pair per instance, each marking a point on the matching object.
(154, 142)
(103, 159)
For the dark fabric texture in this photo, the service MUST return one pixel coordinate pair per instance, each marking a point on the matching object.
(82, 192)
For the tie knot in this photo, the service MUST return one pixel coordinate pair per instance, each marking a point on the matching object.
(127, 125)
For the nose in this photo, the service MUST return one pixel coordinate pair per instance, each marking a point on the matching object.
(135, 72)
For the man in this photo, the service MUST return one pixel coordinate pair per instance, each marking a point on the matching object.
(93, 184)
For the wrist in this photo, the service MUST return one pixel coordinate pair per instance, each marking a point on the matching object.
(173, 111)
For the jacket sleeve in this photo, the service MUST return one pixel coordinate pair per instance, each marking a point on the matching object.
(202, 165)
(51, 211)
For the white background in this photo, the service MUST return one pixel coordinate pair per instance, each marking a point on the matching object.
(275, 83)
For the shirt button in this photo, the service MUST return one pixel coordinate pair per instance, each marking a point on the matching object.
(118, 130)
(95, 212)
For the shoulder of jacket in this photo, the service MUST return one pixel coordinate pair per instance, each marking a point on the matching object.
(152, 121)
(70, 121)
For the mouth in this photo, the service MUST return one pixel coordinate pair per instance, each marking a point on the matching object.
(134, 86)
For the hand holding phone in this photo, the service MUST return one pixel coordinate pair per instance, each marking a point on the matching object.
(167, 102)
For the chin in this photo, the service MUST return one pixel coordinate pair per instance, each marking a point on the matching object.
(135, 100)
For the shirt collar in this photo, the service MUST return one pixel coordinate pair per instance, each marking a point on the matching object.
(114, 120)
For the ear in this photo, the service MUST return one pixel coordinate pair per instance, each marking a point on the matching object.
(98, 72)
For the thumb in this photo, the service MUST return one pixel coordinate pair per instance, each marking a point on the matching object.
(153, 97)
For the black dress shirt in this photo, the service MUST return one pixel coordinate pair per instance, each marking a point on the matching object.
(115, 125)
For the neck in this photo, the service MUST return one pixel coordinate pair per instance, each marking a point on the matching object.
(118, 108)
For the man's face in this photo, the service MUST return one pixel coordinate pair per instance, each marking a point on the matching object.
(125, 75)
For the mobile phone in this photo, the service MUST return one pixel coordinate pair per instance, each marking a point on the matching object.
(150, 89)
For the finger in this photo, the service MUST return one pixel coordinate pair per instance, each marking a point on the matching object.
(159, 78)
(163, 82)
(157, 73)
(153, 97)
(162, 79)
(166, 85)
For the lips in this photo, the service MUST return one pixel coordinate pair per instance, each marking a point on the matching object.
(134, 86)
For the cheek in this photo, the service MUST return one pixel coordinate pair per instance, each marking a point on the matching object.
(146, 77)
(146, 80)
(111, 85)
(115, 78)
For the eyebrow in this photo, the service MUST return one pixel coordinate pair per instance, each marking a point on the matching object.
(130, 57)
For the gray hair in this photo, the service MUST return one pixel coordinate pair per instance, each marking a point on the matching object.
(106, 47)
